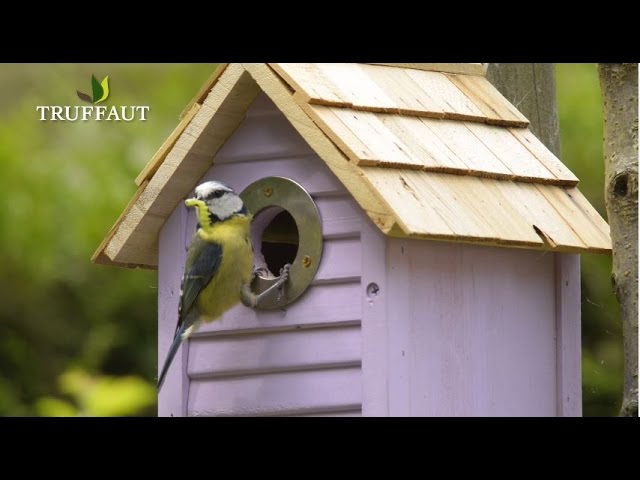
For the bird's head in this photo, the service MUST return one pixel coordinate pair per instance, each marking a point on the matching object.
(217, 201)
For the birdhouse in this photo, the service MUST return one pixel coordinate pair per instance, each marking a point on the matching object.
(434, 243)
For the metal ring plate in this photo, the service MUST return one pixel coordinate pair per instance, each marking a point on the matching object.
(291, 196)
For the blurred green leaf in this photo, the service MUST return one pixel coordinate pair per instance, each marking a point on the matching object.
(119, 396)
(99, 396)
(52, 407)
(75, 381)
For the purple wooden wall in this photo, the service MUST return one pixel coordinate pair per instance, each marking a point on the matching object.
(464, 330)
(303, 361)
(454, 329)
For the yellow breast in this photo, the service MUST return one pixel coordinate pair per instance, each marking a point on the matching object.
(223, 292)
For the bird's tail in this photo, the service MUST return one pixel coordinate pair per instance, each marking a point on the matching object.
(175, 345)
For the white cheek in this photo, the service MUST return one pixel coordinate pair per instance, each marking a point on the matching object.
(227, 206)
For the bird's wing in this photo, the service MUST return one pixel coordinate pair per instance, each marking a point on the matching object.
(203, 261)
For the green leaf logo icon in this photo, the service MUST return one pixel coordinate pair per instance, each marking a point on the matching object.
(99, 90)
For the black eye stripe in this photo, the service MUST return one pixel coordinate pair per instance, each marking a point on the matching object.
(214, 194)
(211, 194)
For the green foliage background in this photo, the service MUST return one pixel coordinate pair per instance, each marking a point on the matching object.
(80, 339)
(76, 338)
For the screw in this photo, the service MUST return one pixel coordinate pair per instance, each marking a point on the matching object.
(372, 290)
(306, 261)
(268, 191)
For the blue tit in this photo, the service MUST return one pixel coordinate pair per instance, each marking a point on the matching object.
(219, 267)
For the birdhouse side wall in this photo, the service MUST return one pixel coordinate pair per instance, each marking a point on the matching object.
(172, 254)
(302, 360)
(464, 330)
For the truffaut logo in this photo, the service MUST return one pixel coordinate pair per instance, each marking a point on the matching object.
(100, 90)
(99, 93)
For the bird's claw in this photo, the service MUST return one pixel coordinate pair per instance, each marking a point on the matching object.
(253, 300)
(284, 276)
(260, 271)
(284, 272)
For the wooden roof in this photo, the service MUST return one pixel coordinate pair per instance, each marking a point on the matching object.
(429, 151)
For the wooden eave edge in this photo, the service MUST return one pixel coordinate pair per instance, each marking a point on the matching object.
(99, 256)
(185, 118)
(189, 112)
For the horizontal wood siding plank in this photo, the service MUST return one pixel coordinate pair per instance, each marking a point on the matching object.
(341, 217)
(274, 352)
(341, 261)
(277, 393)
(321, 305)
(348, 413)
(303, 169)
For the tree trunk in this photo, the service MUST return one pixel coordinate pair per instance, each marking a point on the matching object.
(619, 82)
(531, 87)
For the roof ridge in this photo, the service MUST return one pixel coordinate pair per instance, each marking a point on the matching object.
(465, 68)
